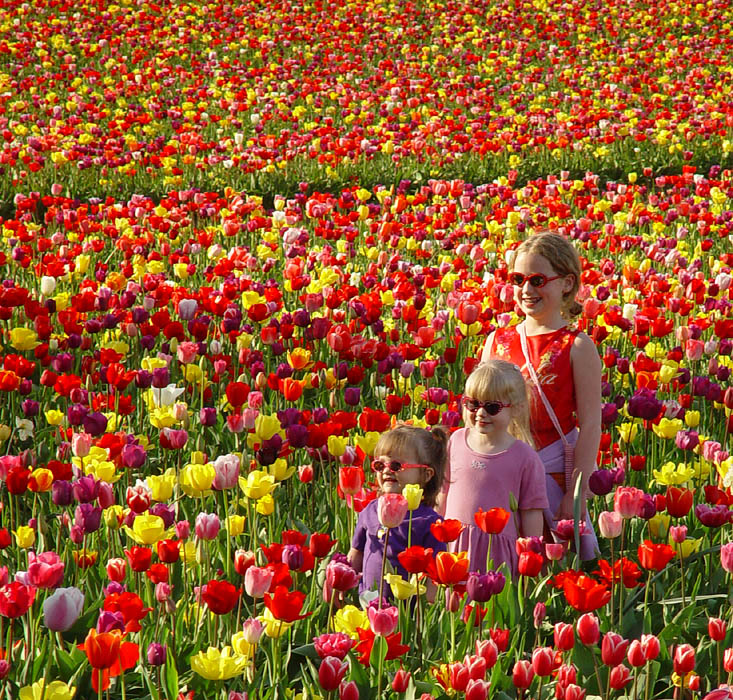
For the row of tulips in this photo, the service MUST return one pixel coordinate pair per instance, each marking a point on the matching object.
(146, 97)
(191, 390)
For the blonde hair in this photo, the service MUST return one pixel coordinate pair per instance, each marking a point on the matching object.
(564, 259)
(429, 447)
(498, 380)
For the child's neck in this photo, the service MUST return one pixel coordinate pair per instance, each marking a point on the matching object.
(537, 326)
(489, 444)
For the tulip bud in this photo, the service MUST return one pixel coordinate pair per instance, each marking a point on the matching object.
(543, 660)
(717, 629)
(619, 677)
(684, 659)
(522, 674)
(588, 629)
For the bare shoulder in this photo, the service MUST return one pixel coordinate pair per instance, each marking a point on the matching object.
(585, 350)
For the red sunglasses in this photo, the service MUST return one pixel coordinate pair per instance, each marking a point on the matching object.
(536, 279)
(491, 407)
(395, 466)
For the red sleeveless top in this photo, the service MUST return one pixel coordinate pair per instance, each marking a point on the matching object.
(549, 354)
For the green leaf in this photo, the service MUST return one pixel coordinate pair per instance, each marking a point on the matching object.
(308, 650)
(171, 679)
(379, 652)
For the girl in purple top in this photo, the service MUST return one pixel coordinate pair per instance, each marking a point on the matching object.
(490, 461)
(404, 455)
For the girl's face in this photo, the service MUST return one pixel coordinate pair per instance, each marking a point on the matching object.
(393, 482)
(547, 299)
(485, 424)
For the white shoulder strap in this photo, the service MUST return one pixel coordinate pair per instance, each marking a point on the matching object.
(535, 380)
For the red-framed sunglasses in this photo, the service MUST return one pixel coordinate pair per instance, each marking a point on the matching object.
(491, 407)
(536, 279)
(395, 466)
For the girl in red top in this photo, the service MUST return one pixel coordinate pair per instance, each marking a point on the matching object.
(562, 366)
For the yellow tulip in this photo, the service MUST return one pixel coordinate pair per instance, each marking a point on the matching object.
(266, 505)
(257, 484)
(687, 547)
(348, 619)
(671, 474)
(337, 445)
(628, 431)
(659, 525)
(273, 627)
(102, 470)
(692, 419)
(216, 665)
(55, 690)
(24, 339)
(266, 426)
(113, 516)
(54, 417)
(235, 525)
(367, 442)
(299, 358)
(5, 432)
(196, 479)
(413, 493)
(241, 646)
(147, 529)
(401, 589)
(25, 537)
(667, 428)
(189, 553)
(280, 470)
(162, 485)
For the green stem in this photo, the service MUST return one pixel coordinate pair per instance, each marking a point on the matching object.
(384, 566)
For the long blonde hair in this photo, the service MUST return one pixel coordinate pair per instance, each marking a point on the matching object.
(499, 380)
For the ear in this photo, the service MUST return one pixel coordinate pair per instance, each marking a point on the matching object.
(568, 283)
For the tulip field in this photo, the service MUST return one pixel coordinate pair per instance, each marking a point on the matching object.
(239, 242)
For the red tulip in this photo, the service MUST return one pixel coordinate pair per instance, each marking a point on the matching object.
(16, 599)
(564, 636)
(140, 558)
(613, 649)
(351, 480)
(320, 544)
(522, 674)
(684, 659)
(492, 521)
(585, 593)
(655, 556)
(543, 661)
(619, 677)
(220, 596)
(401, 680)
(529, 564)
(451, 568)
(447, 530)
(588, 629)
(717, 629)
(331, 672)
(678, 501)
(285, 605)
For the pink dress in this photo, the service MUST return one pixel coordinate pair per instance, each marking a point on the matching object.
(549, 354)
(484, 481)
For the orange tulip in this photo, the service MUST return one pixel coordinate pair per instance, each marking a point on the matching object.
(451, 568)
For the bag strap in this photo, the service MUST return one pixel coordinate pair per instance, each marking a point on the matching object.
(568, 449)
(536, 381)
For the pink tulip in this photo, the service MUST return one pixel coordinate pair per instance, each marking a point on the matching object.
(628, 501)
(257, 581)
(609, 524)
(391, 509)
(227, 472)
(554, 551)
(252, 630)
(726, 557)
(678, 533)
(186, 352)
(45, 570)
(62, 609)
(207, 526)
(383, 620)
(81, 443)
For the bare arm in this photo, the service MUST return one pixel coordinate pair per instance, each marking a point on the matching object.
(586, 366)
(532, 522)
(488, 347)
(356, 559)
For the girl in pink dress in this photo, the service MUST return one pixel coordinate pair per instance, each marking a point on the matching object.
(562, 367)
(489, 464)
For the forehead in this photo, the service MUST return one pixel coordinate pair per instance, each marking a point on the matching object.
(527, 263)
(402, 453)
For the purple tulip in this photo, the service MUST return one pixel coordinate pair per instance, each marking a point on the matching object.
(601, 482)
(644, 404)
(481, 587)
(87, 517)
(292, 556)
(207, 416)
(109, 621)
(85, 489)
(95, 423)
(157, 654)
(62, 493)
(133, 456)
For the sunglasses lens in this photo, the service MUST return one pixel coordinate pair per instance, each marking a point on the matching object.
(492, 408)
(538, 280)
(517, 279)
